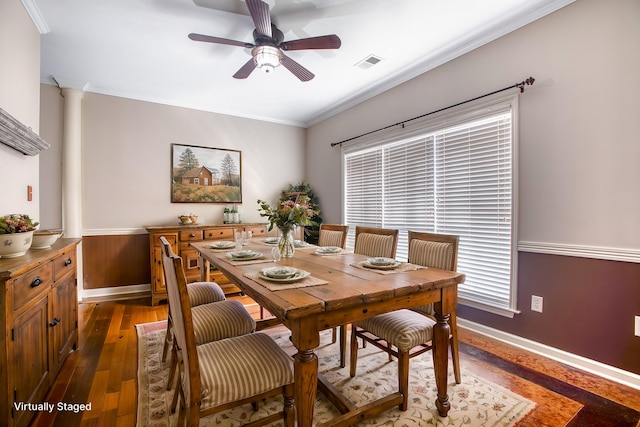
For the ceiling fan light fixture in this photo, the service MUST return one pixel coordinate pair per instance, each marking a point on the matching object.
(267, 58)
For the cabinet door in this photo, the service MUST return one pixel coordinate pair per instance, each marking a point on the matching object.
(157, 273)
(64, 320)
(158, 287)
(31, 363)
(190, 263)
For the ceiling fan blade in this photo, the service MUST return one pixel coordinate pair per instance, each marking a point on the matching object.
(245, 70)
(259, 11)
(321, 42)
(298, 70)
(219, 40)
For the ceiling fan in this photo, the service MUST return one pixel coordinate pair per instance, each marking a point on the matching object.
(268, 45)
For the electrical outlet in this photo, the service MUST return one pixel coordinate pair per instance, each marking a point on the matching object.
(536, 303)
(637, 330)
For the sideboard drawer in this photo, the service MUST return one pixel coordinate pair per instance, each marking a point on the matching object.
(219, 233)
(260, 231)
(64, 264)
(28, 286)
(191, 235)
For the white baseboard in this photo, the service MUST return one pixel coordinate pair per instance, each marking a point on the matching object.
(113, 292)
(609, 372)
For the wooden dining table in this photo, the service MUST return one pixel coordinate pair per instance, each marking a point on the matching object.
(339, 291)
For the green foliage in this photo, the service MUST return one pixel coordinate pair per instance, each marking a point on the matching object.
(17, 223)
(288, 213)
(311, 232)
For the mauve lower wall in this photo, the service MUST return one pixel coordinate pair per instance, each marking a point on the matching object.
(580, 294)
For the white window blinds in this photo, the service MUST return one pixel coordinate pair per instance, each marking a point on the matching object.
(454, 180)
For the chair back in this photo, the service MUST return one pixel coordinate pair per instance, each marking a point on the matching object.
(433, 250)
(182, 323)
(376, 242)
(333, 235)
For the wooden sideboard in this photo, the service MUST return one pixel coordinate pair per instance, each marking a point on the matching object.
(180, 236)
(39, 322)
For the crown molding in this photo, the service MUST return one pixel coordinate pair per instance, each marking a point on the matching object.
(36, 16)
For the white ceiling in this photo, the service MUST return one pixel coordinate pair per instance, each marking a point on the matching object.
(139, 49)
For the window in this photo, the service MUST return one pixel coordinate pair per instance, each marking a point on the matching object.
(452, 174)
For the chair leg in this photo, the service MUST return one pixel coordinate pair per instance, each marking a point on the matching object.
(343, 345)
(167, 340)
(289, 409)
(177, 395)
(403, 378)
(453, 324)
(353, 356)
(173, 367)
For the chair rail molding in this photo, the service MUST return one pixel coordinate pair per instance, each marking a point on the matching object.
(582, 251)
(20, 137)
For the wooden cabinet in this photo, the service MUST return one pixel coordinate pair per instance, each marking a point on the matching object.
(180, 237)
(39, 321)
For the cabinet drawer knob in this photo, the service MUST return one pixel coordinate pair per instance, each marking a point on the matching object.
(55, 321)
(36, 282)
(192, 235)
(68, 262)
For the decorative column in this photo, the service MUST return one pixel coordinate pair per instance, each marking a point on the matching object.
(72, 173)
(72, 163)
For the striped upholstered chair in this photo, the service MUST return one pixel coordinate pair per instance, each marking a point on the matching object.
(376, 242)
(437, 251)
(408, 333)
(214, 317)
(333, 235)
(226, 373)
(372, 242)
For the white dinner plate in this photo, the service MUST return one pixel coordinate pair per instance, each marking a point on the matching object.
(222, 244)
(380, 265)
(300, 274)
(328, 250)
(244, 255)
(272, 240)
(282, 272)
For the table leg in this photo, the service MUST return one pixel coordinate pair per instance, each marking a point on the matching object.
(440, 350)
(306, 382)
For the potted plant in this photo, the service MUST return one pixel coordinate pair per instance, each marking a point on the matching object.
(16, 234)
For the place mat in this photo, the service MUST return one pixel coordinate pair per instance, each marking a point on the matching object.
(247, 262)
(272, 286)
(231, 249)
(404, 266)
(342, 252)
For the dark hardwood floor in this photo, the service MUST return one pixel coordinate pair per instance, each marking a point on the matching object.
(103, 372)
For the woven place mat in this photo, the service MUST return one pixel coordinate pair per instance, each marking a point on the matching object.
(405, 266)
(272, 286)
(250, 261)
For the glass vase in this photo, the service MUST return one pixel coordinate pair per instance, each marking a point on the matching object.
(285, 244)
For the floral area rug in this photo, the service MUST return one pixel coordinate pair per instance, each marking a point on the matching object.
(475, 402)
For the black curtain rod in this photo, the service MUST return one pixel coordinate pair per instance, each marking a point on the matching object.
(520, 85)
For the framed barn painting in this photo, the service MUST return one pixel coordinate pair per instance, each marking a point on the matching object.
(205, 175)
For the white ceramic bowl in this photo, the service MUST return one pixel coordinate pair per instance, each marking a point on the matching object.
(44, 239)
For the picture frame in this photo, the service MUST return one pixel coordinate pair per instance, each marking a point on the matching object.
(205, 174)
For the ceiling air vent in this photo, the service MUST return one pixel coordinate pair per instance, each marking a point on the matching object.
(368, 62)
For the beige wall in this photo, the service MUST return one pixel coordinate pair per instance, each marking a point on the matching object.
(579, 123)
(126, 160)
(20, 97)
